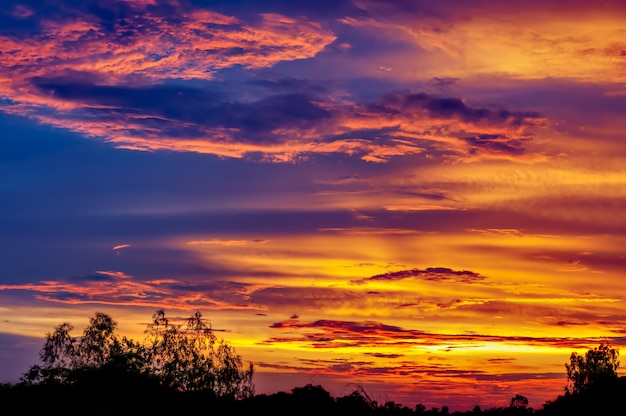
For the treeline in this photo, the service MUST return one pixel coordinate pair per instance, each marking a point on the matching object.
(106, 392)
(182, 368)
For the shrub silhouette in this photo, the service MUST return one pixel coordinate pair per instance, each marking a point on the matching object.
(313, 400)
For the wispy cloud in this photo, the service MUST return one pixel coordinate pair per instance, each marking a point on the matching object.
(477, 38)
(225, 242)
(119, 289)
(119, 275)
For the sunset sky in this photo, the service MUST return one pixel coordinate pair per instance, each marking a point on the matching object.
(423, 198)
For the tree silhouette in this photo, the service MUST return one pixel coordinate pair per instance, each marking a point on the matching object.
(94, 347)
(181, 368)
(185, 357)
(519, 402)
(56, 357)
(312, 400)
(519, 405)
(597, 367)
(181, 357)
(355, 403)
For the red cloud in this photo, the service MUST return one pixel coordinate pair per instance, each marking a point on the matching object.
(339, 334)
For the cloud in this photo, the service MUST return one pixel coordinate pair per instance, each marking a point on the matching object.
(507, 232)
(434, 274)
(129, 74)
(225, 242)
(146, 44)
(440, 82)
(332, 334)
(408, 122)
(502, 360)
(383, 355)
(278, 127)
(118, 275)
(99, 73)
(451, 108)
(118, 288)
(309, 298)
(476, 38)
(420, 207)
(362, 231)
(176, 110)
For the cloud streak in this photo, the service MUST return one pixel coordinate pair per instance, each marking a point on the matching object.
(330, 334)
(476, 38)
(433, 274)
(119, 289)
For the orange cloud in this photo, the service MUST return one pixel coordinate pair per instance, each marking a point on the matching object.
(581, 41)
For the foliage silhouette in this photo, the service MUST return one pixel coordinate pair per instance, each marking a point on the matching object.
(313, 399)
(181, 357)
(519, 402)
(101, 373)
(597, 367)
(593, 387)
(355, 402)
(186, 358)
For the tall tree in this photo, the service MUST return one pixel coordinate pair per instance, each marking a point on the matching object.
(57, 357)
(597, 367)
(185, 357)
(99, 338)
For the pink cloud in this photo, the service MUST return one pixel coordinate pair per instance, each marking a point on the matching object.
(118, 288)
(152, 47)
(77, 74)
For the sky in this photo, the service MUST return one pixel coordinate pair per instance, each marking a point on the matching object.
(422, 198)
